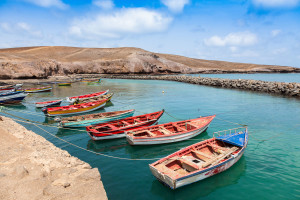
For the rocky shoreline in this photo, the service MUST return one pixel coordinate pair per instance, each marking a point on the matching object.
(33, 168)
(279, 88)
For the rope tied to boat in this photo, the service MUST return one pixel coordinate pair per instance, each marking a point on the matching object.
(79, 147)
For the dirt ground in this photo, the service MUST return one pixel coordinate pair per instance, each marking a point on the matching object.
(33, 168)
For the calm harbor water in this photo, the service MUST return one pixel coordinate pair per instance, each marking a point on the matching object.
(269, 169)
(262, 77)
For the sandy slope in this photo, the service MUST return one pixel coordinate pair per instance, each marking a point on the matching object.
(33, 168)
(41, 62)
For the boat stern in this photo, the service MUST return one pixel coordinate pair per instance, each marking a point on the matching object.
(129, 139)
(165, 179)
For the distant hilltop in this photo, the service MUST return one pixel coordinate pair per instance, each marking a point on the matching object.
(41, 62)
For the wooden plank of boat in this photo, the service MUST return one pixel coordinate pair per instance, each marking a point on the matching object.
(39, 89)
(86, 96)
(199, 161)
(12, 97)
(74, 109)
(91, 119)
(169, 132)
(48, 103)
(97, 98)
(115, 129)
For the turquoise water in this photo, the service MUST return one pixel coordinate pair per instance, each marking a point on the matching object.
(269, 169)
(263, 77)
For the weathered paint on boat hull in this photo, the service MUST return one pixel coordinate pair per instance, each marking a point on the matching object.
(76, 111)
(121, 132)
(95, 121)
(167, 139)
(198, 176)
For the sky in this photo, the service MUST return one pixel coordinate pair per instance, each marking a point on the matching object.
(248, 31)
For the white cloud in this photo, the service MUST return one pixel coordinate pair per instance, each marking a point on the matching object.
(104, 4)
(233, 39)
(20, 28)
(276, 3)
(124, 21)
(276, 32)
(48, 3)
(175, 5)
(5, 26)
(23, 26)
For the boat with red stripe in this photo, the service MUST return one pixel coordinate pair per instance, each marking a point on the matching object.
(201, 160)
(116, 129)
(86, 96)
(74, 109)
(169, 132)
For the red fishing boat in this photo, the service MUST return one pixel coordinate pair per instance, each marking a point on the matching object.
(169, 132)
(74, 109)
(116, 129)
(87, 96)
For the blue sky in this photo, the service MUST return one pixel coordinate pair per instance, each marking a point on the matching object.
(249, 31)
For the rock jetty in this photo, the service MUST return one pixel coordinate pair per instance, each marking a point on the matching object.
(280, 88)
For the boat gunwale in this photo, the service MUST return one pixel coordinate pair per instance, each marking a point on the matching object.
(109, 132)
(202, 170)
(170, 135)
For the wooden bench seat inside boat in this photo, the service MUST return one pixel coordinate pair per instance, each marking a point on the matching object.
(188, 165)
(179, 128)
(201, 155)
(220, 157)
(214, 146)
(165, 131)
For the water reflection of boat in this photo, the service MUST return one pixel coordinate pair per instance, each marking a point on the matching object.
(106, 145)
(205, 187)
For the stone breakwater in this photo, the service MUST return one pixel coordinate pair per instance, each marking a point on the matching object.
(280, 88)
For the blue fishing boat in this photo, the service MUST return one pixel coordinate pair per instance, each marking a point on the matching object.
(12, 97)
(91, 119)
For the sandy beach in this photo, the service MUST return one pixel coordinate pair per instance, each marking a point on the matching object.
(33, 168)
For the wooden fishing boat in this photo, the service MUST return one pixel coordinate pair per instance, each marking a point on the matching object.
(48, 103)
(201, 160)
(39, 89)
(169, 132)
(98, 98)
(92, 80)
(64, 84)
(74, 109)
(116, 129)
(6, 88)
(87, 96)
(91, 119)
(12, 97)
(9, 88)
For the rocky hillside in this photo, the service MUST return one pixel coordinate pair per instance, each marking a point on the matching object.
(41, 62)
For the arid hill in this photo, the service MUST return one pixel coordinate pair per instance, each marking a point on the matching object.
(41, 62)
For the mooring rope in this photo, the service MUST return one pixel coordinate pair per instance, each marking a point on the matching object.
(79, 147)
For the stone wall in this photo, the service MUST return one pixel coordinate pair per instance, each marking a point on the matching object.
(280, 88)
